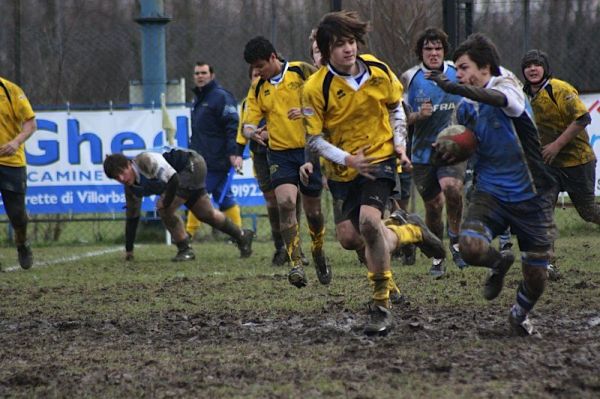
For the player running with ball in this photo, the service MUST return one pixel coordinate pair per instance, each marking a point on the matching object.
(512, 183)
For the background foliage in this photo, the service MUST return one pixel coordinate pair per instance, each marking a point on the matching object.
(86, 52)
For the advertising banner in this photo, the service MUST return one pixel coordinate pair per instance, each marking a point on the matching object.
(65, 155)
(592, 101)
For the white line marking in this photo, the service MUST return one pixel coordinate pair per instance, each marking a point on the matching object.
(66, 259)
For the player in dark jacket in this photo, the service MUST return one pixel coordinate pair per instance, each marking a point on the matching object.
(214, 128)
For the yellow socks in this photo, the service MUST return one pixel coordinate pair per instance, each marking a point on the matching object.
(234, 213)
(317, 239)
(192, 225)
(381, 287)
(406, 233)
(291, 237)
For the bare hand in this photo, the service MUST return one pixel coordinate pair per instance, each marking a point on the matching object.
(362, 163)
(324, 182)
(9, 148)
(261, 135)
(294, 113)
(439, 78)
(236, 162)
(404, 159)
(305, 171)
(442, 157)
(550, 151)
(425, 110)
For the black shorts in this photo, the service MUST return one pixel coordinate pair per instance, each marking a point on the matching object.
(13, 178)
(285, 169)
(427, 177)
(339, 192)
(261, 171)
(192, 180)
(402, 188)
(531, 221)
(364, 191)
(578, 181)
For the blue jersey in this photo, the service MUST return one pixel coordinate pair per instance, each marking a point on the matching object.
(508, 163)
(421, 90)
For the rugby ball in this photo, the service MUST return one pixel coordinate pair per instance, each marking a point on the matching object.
(454, 144)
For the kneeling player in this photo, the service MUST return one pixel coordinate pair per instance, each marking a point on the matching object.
(178, 176)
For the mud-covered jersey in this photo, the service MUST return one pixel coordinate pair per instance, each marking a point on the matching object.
(508, 162)
(353, 115)
(153, 170)
(15, 109)
(272, 99)
(555, 107)
(420, 90)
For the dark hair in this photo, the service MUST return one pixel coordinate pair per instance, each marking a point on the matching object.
(210, 68)
(537, 57)
(258, 48)
(311, 39)
(431, 35)
(481, 50)
(114, 164)
(337, 25)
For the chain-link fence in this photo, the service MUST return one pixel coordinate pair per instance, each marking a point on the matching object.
(87, 52)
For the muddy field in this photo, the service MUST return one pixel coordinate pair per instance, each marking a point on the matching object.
(143, 330)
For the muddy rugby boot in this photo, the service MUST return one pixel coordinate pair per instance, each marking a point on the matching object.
(430, 244)
(280, 257)
(495, 279)
(322, 267)
(396, 298)
(505, 245)
(520, 325)
(438, 268)
(458, 260)
(245, 243)
(297, 277)
(184, 255)
(25, 255)
(380, 321)
(553, 272)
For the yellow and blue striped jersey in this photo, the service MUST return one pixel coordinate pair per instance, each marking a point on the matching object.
(272, 101)
(352, 116)
(14, 111)
(555, 107)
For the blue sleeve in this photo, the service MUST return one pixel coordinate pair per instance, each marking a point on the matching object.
(466, 115)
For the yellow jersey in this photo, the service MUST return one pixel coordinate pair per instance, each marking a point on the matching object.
(14, 111)
(240, 139)
(272, 101)
(555, 107)
(353, 117)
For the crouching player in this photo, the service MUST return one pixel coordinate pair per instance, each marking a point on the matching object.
(512, 184)
(179, 177)
(353, 98)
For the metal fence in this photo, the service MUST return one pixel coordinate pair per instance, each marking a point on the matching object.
(87, 52)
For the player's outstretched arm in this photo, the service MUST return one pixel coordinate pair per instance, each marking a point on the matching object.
(480, 94)
(132, 214)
